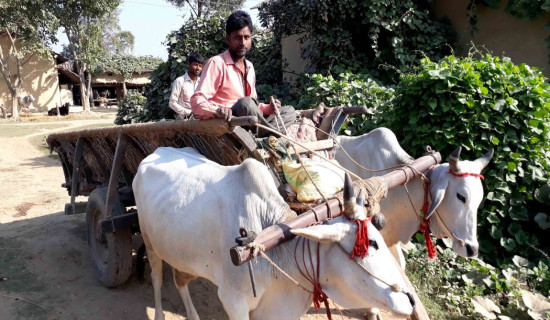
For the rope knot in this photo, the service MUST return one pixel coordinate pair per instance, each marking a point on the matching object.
(256, 248)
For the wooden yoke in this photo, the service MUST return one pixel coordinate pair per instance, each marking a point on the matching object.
(276, 234)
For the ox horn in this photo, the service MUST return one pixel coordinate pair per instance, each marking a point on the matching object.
(454, 159)
(361, 198)
(349, 195)
(484, 160)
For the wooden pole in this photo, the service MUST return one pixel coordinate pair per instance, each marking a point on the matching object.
(279, 233)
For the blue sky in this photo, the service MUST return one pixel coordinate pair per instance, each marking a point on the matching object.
(150, 21)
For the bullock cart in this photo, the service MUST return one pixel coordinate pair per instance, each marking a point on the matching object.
(101, 164)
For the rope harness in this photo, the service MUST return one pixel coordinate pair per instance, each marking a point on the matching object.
(312, 273)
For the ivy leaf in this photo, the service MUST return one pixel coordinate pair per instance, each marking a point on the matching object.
(508, 244)
(432, 103)
(499, 105)
(542, 220)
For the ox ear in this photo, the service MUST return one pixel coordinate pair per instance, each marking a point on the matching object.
(320, 233)
(439, 181)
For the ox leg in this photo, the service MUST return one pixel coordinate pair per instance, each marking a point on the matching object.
(182, 279)
(398, 255)
(156, 276)
(373, 314)
(235, 305)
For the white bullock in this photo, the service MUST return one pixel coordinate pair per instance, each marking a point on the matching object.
(454, 199)
(190, 211)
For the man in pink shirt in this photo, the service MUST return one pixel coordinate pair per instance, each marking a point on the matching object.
(228, 82)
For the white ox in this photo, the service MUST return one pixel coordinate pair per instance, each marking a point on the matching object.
(454, 200)
(190, 211)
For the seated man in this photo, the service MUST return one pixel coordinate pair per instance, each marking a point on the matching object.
(184, 87)
(228, 82)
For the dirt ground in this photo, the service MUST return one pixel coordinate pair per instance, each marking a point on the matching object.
(45, 272)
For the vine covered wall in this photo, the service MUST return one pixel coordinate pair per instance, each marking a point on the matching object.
(381, 37)
(500, 29)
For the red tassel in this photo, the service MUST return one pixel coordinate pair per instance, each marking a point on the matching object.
(320, 296)
(425, 226)
(361, 247)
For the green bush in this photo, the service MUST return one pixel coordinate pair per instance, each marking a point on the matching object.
(481, 104)
(130, 109)
(347, 90)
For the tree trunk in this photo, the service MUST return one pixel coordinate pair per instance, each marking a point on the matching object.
(199, 8)
(124, 90)
(83, 91)
(15, 106)
(89, 86)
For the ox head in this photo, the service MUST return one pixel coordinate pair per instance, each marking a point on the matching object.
(373, 281)
(456, 192)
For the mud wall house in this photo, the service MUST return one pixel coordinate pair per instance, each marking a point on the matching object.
(110, 85)
(40, 77)
(522, 40)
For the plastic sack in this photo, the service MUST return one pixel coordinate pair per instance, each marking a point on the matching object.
(327, 177)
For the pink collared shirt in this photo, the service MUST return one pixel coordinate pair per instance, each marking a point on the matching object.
(222, 84)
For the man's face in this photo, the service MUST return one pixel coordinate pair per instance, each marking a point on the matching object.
(239, 42)
(195, 69)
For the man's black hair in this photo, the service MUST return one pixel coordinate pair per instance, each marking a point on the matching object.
(195, 57)
(238, 20)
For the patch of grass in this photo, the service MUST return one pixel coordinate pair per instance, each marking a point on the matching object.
(20, 129)
(425, 285)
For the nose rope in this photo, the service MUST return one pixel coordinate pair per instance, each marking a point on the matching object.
(395, 287)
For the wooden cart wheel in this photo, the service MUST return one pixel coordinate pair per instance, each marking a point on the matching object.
(111, 253)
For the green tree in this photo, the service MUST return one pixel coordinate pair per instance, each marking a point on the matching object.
(115, 41)
(201, 8)
(28, 30)
(81, 21)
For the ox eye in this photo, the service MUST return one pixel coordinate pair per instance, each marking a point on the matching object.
(461, 197)
(373, 243)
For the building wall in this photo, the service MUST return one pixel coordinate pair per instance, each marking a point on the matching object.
(520, 39)
(292, 55)
(66, 94)
(39, 79)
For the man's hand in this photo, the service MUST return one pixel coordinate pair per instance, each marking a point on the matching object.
(274, 103)
(224, 113)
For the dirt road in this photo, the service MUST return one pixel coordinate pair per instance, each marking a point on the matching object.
(45, 271)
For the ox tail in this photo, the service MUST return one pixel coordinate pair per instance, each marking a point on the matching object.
(140, 263)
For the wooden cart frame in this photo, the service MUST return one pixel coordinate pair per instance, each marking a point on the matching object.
(101, 163)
